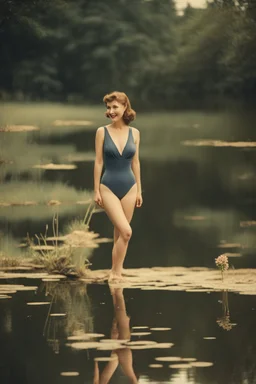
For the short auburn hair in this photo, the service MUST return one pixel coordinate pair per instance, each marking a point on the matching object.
(129, 114)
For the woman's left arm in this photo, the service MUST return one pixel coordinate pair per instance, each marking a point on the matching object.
(136, 169)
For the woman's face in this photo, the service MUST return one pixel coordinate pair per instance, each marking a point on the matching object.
(115, 110)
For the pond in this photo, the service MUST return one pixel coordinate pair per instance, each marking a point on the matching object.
(198, 181)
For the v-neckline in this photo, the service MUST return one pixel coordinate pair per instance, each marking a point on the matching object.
(121, 154)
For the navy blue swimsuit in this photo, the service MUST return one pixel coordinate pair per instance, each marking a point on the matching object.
(118, 175)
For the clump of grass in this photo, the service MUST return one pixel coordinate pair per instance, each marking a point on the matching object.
(11, 255)
(9, 261)
(69, 253)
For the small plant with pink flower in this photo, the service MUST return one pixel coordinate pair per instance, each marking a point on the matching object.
(222, 263)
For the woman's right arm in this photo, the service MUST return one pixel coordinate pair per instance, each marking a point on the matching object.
(98, 164)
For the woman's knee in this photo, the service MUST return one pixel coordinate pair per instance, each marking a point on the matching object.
(126, 233)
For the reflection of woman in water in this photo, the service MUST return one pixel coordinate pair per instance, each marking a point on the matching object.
(120, 330)
(118, 191)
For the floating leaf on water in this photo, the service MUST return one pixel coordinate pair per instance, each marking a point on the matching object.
(210, 338)
(114, 340)
(163, 345)
(52, 166)
(28, 288)
(168, 358)
(198, 290)
(39, 303)
(57, 276)
(92, 335)
(180, 366)
(229, 245)
(104, 240)
(109, 358)
(232, 254)
(11, 286)
(247, 223)
(18, 204)
(141, 342)
(69, 374)
(58, 123)
(35, 275)
(219, 143)
(188, 359)
(155, 365)
(140, 333)
(85, 345)
(110, 346)
(58, 314)
(160, 329)
(201, 364)
(19, 128)
(145, 346)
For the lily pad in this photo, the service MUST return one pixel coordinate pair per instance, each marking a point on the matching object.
(69, 374)
(201, 364)
(180, 366)
(109, 358)
(168, 358)
(155, 365)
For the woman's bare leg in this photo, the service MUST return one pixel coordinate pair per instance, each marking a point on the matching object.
(128, 208)
(115, 212)
(116, 234)
(128, 204)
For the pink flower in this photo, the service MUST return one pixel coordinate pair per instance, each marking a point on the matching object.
(222, 262)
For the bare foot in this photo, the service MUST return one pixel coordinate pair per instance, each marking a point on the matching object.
(115, 278)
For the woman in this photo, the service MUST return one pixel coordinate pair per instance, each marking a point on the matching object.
(118, 190)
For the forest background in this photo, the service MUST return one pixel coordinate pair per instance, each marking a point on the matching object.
(76, 51)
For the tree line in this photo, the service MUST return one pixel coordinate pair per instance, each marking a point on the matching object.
(78, 50)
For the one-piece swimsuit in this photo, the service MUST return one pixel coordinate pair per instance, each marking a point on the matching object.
(118, 175)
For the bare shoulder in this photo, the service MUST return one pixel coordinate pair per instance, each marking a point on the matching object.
(100, 132)
(136, 133)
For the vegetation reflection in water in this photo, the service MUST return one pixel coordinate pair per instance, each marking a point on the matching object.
(71, 300)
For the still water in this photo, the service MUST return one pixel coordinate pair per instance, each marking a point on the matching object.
(35, 345)
(199, 202)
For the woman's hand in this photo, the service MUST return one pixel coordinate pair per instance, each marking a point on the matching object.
(139, 200)
(98, 198)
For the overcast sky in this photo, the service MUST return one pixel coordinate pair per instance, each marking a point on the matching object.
(181, 4)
